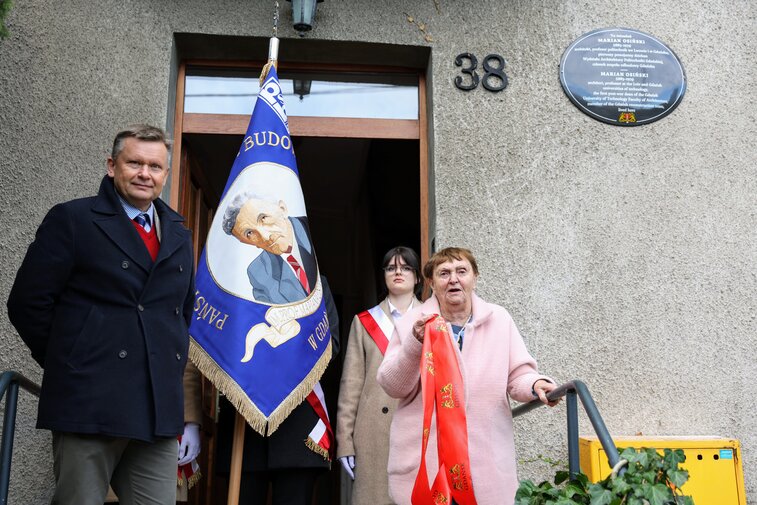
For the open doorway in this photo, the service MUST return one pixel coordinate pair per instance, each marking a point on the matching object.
(360, 134)
(362, 197)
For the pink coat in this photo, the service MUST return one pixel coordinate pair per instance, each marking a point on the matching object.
(494, 364)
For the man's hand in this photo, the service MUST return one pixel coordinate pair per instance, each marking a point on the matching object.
(189, 448)
(348, 462)
(542, 388)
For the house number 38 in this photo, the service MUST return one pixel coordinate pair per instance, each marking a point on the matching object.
(494, 78)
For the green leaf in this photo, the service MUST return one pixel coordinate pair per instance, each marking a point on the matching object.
(673, 458)
(628, 453)
(582, 479)
(525, 489)
(573, 489)
(5, 7)
(526, 485)
(642, 458)
(678, 477)
(600, 496)
(561, 476)
(658, 494)
(566, 501)
(620, 487)
(649, 476)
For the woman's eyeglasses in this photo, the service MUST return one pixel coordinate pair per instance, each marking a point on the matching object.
(405, 269)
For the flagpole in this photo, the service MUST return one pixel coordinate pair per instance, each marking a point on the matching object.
(237, 447)
(273, 59)
(235, 473)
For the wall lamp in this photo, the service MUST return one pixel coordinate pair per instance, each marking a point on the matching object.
(301, 87)
(303, 12)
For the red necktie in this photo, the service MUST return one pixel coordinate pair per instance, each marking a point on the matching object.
(300, 273)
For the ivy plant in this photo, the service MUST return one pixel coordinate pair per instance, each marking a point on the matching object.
(5, 7)
(651, 478)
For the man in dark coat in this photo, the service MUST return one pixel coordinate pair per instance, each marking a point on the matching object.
(103, 300)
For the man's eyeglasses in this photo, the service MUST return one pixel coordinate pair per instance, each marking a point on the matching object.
(405, 269)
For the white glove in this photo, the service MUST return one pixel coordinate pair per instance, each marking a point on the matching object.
(348, 462)
(189, 447)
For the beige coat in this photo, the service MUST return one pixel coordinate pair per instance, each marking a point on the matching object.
(364, 416)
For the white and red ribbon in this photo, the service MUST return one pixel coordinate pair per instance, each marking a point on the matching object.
(187, 474)
(378, 325)
(321, 437)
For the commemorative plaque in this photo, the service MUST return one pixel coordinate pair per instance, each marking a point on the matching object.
(622, 77)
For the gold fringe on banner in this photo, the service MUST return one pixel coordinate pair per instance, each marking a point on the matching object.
(242, 402)
(299, 394)
(194, 479)
(317, 449)
(267, 68)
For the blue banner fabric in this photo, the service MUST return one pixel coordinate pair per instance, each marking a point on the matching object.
(260, 331)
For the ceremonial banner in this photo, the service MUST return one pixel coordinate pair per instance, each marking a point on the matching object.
(260, 331)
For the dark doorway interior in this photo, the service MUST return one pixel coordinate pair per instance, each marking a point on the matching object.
(362, 198)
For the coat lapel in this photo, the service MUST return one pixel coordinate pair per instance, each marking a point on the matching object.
(110, 217)
(384, 305)
(172, 233)
(300, 227)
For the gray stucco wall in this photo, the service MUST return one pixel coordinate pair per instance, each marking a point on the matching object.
(626, 255)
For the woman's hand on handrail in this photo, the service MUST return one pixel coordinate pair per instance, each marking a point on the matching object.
(542, 388)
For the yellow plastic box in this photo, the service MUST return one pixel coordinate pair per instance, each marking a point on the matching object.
(716, 476)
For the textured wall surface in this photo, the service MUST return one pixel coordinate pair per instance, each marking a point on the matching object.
(626, 255)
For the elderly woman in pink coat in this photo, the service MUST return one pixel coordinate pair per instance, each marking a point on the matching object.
(494, 366)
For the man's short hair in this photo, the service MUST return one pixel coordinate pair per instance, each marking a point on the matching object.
(232, 211)
(139, 132)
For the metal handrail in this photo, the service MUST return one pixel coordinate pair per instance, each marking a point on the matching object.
(570, 390)
(10, 381)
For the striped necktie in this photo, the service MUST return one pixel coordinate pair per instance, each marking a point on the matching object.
(300, 272)
(143, 220)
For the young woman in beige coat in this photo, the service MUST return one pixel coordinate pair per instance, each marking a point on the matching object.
(364, 412)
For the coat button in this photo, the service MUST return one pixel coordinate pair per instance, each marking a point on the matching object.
(177, 310)
(122, 354)
(181, 268)
(140, 308)
(124, 264)
(385, 410)
(178, 357)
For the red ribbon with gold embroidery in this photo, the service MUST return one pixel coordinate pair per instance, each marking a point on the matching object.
(442, 387)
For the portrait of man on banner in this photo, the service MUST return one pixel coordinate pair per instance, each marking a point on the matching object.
(270, 226)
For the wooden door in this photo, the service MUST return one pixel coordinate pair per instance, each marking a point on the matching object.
(197, 204)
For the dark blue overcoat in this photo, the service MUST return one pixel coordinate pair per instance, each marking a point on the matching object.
(107, 324)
